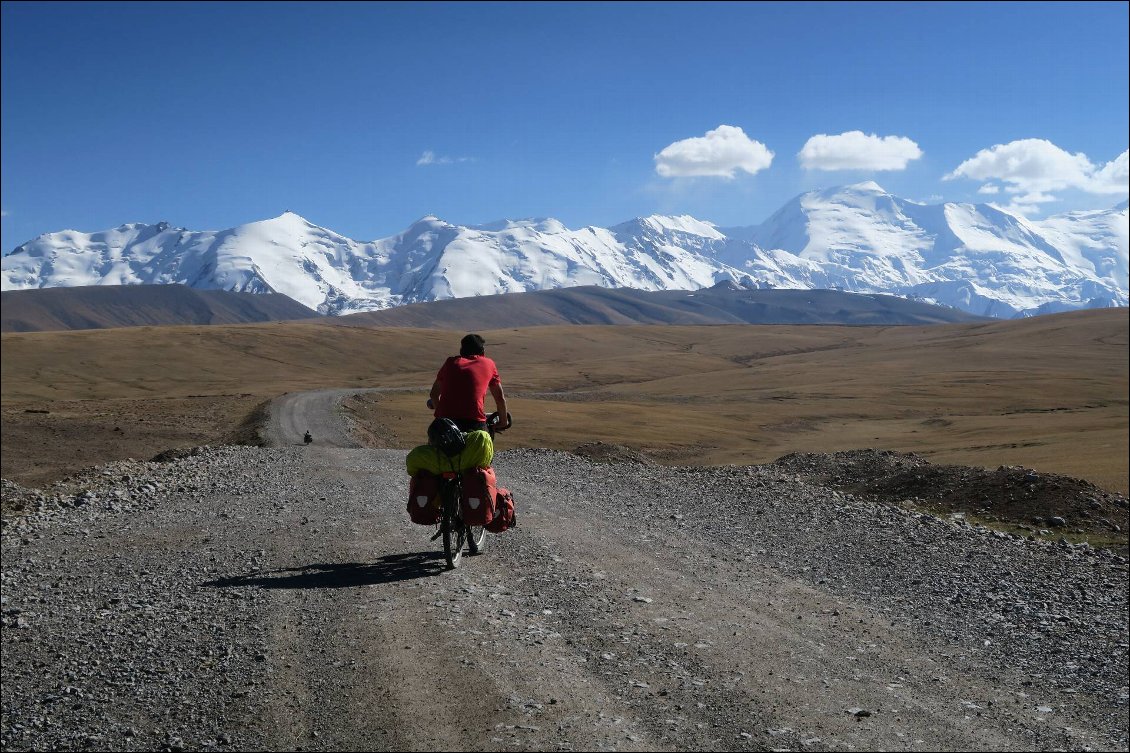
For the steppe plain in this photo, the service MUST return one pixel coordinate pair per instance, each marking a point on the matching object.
(1047, 393)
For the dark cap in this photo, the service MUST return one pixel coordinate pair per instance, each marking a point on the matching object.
(472, 345)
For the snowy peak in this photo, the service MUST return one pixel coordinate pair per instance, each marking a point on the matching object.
(867, 188)
(287, 219)
(429, 221)
(546, 225)
(663, 225)
(977, 257)
(857, 238)
(684, 224)
(865, 198)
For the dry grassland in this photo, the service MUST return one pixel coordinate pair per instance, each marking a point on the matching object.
(1049, 393)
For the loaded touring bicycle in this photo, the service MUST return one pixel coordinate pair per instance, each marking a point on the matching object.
(453, 488)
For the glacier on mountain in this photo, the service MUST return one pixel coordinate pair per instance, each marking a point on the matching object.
(857, 238)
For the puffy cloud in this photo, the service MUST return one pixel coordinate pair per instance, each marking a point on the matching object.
(989, 188)
(1017, 208)
(1113, 177)
(1028, 203)
(1035, 167)
(856, 150)
(720, 153)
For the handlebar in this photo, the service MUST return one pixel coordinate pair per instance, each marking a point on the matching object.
(493, 420)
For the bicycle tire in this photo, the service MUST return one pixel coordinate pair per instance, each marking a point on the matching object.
(454, 532)
(476, 539)
(453, 536)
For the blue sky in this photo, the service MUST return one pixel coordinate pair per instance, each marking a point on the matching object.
(364, 117)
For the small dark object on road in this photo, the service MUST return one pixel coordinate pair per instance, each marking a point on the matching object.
(307, 439)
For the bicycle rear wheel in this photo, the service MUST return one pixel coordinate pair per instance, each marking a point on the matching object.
(476, 539)
(454, 534)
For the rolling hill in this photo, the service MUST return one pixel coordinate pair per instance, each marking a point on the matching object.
(724, 303)
(99, 307)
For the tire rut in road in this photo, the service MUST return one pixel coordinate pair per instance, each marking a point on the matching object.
(703, 651)
(370, 668)
(380, 648)
(750, 650)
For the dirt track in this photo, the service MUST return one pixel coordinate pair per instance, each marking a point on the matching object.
(318, 412)
(634, 608)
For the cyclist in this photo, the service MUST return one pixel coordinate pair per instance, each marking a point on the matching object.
(462, 383)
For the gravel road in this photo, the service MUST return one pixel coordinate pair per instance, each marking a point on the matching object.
(278, 598)
(318, 412)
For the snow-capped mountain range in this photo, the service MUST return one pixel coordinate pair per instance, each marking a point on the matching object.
(857, 238)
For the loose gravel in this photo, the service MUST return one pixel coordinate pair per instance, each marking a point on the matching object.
(137, 596)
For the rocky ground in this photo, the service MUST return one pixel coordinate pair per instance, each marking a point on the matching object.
(246, 598)
(1010, 498)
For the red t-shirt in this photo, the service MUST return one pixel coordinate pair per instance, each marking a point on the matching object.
(463, 383)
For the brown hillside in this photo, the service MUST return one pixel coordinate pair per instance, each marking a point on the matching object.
(725, 303)
(101, 306)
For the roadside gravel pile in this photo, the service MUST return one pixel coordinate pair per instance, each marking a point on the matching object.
(114, 487)
(120, 635)
(1008, 493)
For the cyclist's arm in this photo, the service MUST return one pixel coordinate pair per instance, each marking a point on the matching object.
(434, 395)
(500, 403)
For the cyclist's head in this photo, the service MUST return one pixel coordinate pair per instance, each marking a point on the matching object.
(472, 345)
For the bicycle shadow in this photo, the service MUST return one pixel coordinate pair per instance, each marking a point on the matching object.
(388, 569)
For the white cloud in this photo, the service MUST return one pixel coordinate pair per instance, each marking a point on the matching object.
(1026, 204)
(430, 158)
(1113, 177)
(856, 150)
(3, 212)
(989, 188)
(1023, 210)
(1032, 168)
(1035, 197)
(720, 153)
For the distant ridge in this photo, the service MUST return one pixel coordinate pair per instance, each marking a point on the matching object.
(724, 303)
(101, 307)
(104, 306)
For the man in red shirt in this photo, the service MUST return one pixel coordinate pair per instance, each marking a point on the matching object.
(463, 382)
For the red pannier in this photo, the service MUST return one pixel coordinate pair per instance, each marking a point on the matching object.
(423, 499)
(504, 518)
(477, 504)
